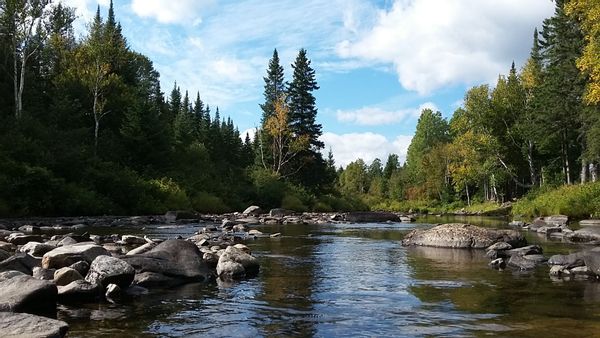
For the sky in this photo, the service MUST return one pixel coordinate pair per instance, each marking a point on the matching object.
(378, 62)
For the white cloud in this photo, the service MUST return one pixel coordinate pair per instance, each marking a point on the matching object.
(434, 43)
(185, 12)
(374, 116)
(368, 146)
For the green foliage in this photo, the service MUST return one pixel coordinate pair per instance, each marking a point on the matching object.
(293, 202)
(207, 203)
(578, 201)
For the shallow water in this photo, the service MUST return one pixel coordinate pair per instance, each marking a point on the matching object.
(357, 280)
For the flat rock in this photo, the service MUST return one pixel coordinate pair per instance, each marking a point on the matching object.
(106, 270)
(521, 263)
(22, 239)
(526, 250)
(36, 249)
(27, 294)
(69, 254)
(586, 234)
(590, 223)
(462, 236)
(28, 325)
(570, 260)
(371, 216)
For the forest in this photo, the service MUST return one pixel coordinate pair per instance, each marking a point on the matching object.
(86, 129)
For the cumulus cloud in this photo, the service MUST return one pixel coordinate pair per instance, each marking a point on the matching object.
(166, 11)
(374, 116)
(368, 146)
(434, 43)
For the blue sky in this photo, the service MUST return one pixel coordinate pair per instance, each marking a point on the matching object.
(378, 62)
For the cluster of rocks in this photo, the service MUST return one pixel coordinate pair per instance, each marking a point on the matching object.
(556, 226)
(37, 272)
(579, 265)
(522, 258)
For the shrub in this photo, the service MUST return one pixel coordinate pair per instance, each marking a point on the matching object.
(207, 203)
(578, 201)
(292, 202)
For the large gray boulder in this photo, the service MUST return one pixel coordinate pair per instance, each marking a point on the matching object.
(371, 216)
(106, 270)
(569, 261)
(28, 325)
(26, 294)
(21, 239)
(20, 262)
(236, 263)
(37, 249)
(586, 234)
(69, 254)
(253, 210)
(171, 262)
(79, 291)
(462, 236)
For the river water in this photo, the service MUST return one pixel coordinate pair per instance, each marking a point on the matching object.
(357, 280)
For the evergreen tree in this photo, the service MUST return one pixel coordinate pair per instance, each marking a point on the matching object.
(275, 87)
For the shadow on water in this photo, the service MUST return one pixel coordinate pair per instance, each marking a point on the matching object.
(356, 280)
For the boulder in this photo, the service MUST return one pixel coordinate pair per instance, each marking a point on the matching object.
(526, 250)
(176, 261)
(172, 216)
(570, 261)
(9, 247)
(586, 234)
(27, 294)
(591, 259)
(66, 275)
(28, 325)
(462, 236)
(36, 249)
(22, 239)
(4, 255)
(79, 291)
(253, 211)
(67, 241)
(113, 291)
(371, 216)
(106, 270)
(20, 262)
(69, 254)
(522, 263)
(236, 263)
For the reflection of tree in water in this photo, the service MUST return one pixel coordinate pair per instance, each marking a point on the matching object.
(287, 279)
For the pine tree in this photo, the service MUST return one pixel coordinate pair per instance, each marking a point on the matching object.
(275, 86)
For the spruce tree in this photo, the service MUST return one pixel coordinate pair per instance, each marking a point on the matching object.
(275, 86)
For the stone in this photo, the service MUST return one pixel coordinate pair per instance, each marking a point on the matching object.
(4, 255)
(500, 246)
(20, 262)
(36, 249)
(253, 211)
(231, 260)
(407, 219)
(462, 236)
(498, 263)
(571, 260)
(172, 216)
(537, 259)
(591, 258)
(518, 224)
(67, 241)
(45, 274)
(9, 247)
(557, 270)
(549, 229)
(106, 270)
(581, 270)
(113, 291)
(133, 240)
(243, 247)
(27, 294)
(66, 275)
(277, 234)
(590, 223)
(210, 258)
(371, 216)
(28, 325)
(141, 249)
(280, 212)
(79, 291)
(521, 263)
(255, 232)
(69, 254)
(526, 250)
(82, 267)
(586, 234)
(22, 239)
(174, 261)
(10, 274)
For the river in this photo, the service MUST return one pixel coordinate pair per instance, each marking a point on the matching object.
(356, 280)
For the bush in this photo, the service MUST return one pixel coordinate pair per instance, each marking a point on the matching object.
(577, 201)
(171, 196)
(292, 202)
(207, 203)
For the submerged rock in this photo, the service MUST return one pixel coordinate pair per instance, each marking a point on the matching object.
(79, 291)
(28, 325)
(462, 236)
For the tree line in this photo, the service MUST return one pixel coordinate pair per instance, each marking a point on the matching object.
(85, 128)
(539, 126)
